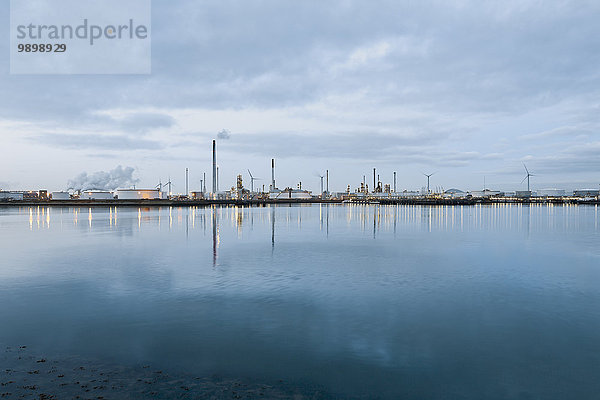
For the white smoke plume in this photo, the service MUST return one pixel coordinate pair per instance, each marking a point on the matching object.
(120, 177)
(224, 134)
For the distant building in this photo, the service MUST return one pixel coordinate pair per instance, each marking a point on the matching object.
(407, 193)
(31, 195)
(137, 194)
(221, 196)
(551, 193)
(486, 193)
(357, 196)
(586, 193)
(96, 195)
(197, 195)
(525, 194)
(339, 195)
(12, 196)
(455, 193)
(60, 196)
(289, 193)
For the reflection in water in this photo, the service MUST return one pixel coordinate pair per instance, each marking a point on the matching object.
(361, 298)
(524, 218)
(215, 237)
(272, 227)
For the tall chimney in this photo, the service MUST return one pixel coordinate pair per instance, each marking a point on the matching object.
(273, 173)
(327, 181)
(214, 189)
(374, 183)
(394, 181)
(187, 190)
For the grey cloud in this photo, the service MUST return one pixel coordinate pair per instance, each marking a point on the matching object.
(102, 155)
(95, 141)
(362, 147)
(138, 123)
(574, 159)
(460, 66)
(143, 122)
(365, 145)
(481, 57)
(492, 156)
(567, 132)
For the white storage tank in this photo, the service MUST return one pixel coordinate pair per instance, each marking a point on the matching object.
(61, 196)
(551, 192)
(485, 193)
(138, 194)
(95, 195)
(290, 194)
(11, 195)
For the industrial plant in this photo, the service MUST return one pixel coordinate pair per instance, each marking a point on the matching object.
(378, 192)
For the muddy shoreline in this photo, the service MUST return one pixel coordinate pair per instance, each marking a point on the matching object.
(26, 374)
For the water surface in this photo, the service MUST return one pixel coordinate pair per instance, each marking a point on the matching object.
(362, 300)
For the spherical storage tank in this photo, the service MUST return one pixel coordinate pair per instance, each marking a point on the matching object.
(138, 194)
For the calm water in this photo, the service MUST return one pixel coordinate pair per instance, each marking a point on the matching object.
(374, 301)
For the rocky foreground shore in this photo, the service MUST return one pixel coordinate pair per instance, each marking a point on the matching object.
(25, 375)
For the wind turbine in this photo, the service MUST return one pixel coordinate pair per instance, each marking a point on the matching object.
(527, 176)
(252, 179)
(428, 176)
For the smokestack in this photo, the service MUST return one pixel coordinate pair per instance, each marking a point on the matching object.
(394, 181)
(374, 183)
(214, 166)
(327, 181)
(187, 191)
(204, 182)
(273, 173)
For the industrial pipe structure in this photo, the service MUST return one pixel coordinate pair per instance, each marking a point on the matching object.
(214, 188)
(272, 174)
(374, 182)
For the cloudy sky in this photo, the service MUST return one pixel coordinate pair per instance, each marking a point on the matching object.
(464, 89)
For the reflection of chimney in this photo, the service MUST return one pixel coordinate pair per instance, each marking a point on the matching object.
(272, 173)
(214, 166)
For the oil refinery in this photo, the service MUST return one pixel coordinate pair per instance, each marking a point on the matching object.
(379, 192)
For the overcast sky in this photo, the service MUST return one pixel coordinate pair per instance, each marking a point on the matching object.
(464, 89)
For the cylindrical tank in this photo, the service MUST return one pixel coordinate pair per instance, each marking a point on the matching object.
(138, 194)
(95, 195)
(61, 196)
